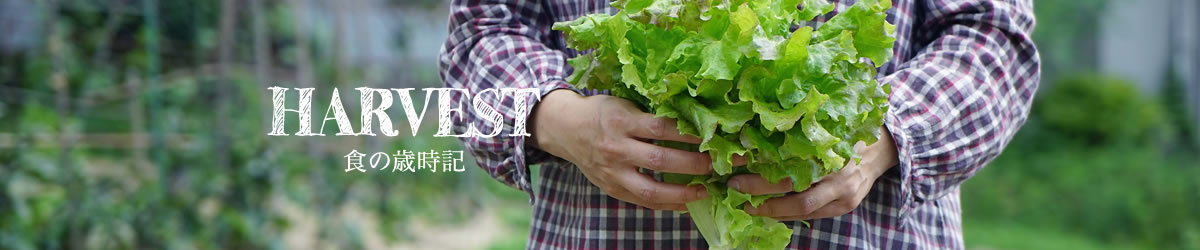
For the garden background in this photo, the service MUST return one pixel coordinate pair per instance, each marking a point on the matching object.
(141, 124)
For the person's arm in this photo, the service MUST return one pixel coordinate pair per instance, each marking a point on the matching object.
(961, 99)
(499, 44)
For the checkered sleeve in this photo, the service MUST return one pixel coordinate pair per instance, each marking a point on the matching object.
(963, 95)
(499, 44)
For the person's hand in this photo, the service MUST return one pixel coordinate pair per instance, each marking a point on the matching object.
(609, 139)
(834, 195)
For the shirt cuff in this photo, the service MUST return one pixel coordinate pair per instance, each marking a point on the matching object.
(903, 174)
(524, 153)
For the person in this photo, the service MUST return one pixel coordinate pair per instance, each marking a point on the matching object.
(962, 78)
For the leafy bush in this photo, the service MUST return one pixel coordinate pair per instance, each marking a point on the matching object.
(1098, 109)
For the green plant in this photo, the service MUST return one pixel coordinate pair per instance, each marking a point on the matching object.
(734, 74)
(1098, 109)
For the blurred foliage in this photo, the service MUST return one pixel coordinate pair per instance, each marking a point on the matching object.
(1097, 109)
(1174, 99)
(1093, 161)
(989, 234)
(1066, 35)
(74, 197)
(428, 4)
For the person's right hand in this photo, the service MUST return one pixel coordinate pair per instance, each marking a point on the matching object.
(609, 139)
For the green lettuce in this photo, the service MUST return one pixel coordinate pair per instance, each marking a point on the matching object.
(736, 75)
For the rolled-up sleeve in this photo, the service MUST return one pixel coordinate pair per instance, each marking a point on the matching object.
(961, 98)
(499, 44)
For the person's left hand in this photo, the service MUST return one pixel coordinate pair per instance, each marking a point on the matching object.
(835, 194)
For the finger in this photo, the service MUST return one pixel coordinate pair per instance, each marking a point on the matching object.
(835, 208)
(847, 171)
(840, 206)
(646, 188)
(797, 204)
(739, 160)
(646, 126)
(756, 184)
(860, 146)
(664, 159)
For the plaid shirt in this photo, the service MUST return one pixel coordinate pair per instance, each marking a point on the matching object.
(963, 75)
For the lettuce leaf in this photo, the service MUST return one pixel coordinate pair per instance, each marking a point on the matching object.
(735, 74)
